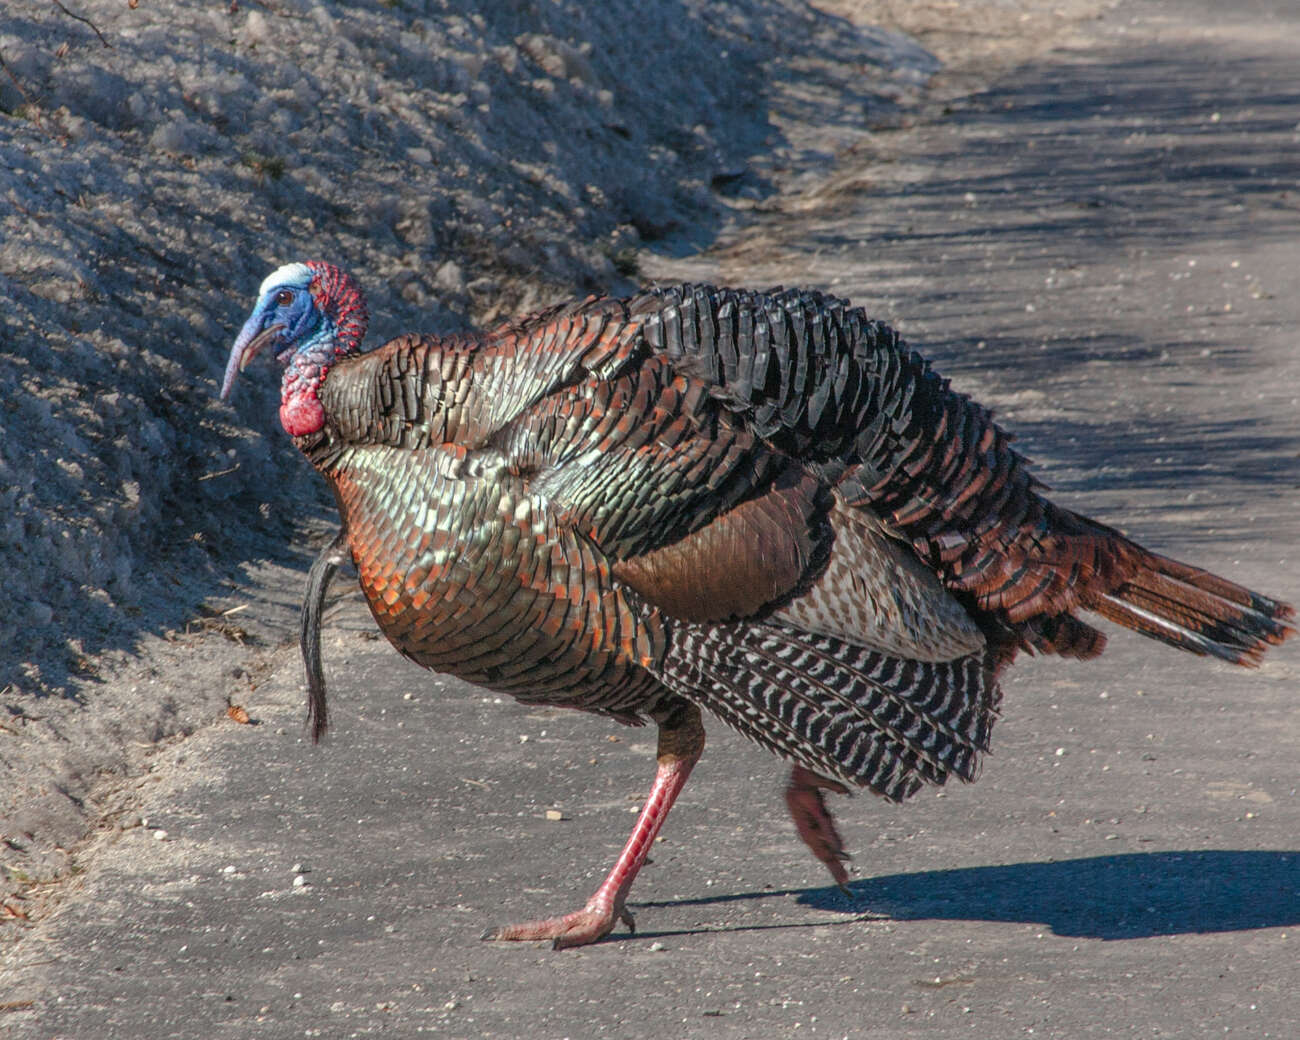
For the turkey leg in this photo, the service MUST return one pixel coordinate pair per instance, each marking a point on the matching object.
(681, 741)
(813, 821)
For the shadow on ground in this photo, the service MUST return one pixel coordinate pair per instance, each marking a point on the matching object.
(1131, 896)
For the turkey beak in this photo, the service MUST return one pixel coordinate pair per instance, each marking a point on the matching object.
(252, 338)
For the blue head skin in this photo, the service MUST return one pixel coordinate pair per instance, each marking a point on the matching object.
(285, 315)
(313, 313)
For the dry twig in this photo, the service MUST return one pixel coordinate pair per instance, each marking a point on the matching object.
(80, 18)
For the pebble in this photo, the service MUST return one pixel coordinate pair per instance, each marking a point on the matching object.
(657, 947)
(300, 882)
(554, 814)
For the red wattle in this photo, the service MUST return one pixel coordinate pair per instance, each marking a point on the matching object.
(301, 413)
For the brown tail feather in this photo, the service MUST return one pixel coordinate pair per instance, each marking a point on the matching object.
(1195, 611)
(1063, 635)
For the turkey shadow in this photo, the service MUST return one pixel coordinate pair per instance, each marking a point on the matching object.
(1131, 896)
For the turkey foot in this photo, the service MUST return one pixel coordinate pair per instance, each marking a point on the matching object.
(681, 742)
(592, 922)
(813, 821)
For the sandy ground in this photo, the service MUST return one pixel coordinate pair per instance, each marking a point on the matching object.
(1101, 245)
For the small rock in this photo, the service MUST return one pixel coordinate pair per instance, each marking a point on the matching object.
(657, 947)
(300, 882)
(554, 814)
(256, 30)
(449, 276)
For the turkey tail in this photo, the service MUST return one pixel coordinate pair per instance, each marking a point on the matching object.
(857, 715)
(1195, 611)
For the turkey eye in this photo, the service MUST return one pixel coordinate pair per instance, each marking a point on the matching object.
(283, 298)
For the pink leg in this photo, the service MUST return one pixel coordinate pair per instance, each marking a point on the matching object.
(681, 742)
(813, 821)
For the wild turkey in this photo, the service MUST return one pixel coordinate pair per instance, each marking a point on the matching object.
(759, 504)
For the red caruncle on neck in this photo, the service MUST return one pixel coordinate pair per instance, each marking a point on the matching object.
(300, 410)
